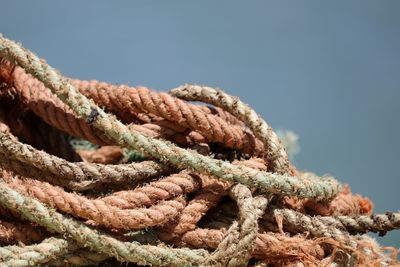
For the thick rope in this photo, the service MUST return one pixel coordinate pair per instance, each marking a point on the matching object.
(237, 246)
(85, 236)
(172, 186)
(214, 128)
(116, 98)
(115, 130)
(157, 206)
(332, 226)
(98, 210)
(276, 153)
(54, 112)
(47, 250)
(102, 155)
(269, 247)
(208, 197)
(76, 175)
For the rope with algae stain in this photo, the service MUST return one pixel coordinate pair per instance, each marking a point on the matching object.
(133, 252)
(275, 151)
(115, 130)
(174, 208)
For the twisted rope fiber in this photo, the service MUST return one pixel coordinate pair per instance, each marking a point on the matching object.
(57, 114)
(78, 175)
(163, 105)
(115, 130)
(268, 246)
(116, 98)
(276, 153)
(54, 112)
(237, 246)
(98, 210)
(133, 252)
(208, 197)
(337, 227)
(159, 208)
(167, 188)
(51, 251)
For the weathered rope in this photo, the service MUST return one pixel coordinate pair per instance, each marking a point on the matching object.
(98, 210)
(56, 113)
(336, 227)
(47, 250)
(117, 98)
(53, 111)
(115, 130)
(172, 186)
(188, 208)
(269, 246)
(237, 246)
(345, 203)
(276, 153)
(75, 175)
(133, 252)
(208, 197)
(215, 129)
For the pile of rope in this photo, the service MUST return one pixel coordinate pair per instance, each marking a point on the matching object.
(95, 174)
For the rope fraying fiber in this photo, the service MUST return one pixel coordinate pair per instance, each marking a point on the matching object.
(213, 185)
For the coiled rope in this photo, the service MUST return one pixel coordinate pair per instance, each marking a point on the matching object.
(216, 187)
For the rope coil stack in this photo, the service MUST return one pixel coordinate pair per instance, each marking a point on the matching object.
(213, 185)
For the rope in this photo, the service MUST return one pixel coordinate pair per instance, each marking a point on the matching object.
(54, 112)
(268, 247)
(276, 154)
(77, 176)
(98, 210)
(115, 130)
(238, 244)
(209, 189)
(35, 255)
(132, 251)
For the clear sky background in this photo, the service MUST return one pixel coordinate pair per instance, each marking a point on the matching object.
(329, 71)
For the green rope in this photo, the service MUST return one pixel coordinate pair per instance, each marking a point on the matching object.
(163, 150)
(35, 211)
